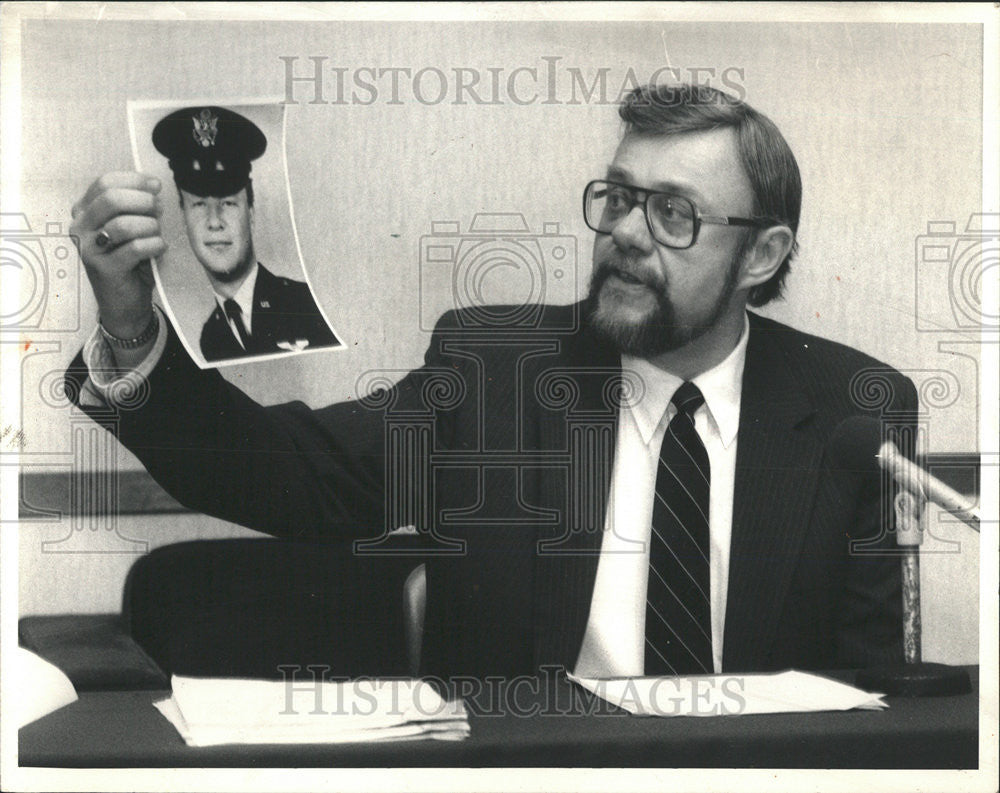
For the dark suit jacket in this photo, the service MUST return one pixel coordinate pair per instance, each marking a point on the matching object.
(284, 313)
(502, 446)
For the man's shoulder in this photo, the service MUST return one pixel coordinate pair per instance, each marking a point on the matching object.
(826, 369)
(281, 289)
(514, 318)
(550, 335)
(268, 280)
(810, 349)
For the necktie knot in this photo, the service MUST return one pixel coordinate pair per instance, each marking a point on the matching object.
(688, 398)
(232, 308)
(235, 315)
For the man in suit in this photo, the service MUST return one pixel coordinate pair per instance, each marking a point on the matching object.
(210, 151)
(647, 482)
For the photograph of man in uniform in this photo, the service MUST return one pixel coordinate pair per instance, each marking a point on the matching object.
(210, 151)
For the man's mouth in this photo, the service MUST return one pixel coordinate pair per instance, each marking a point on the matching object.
(625, 276)
(628, 278)
(218, 247)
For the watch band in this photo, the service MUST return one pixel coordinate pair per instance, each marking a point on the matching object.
(139, 341)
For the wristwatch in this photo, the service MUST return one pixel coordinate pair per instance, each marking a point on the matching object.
(139, 341)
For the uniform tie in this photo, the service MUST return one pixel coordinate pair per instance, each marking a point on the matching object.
(235, 314)
(678, 605)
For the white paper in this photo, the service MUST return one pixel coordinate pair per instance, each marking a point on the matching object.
(42, 688)
(214, 711)
(730, 695)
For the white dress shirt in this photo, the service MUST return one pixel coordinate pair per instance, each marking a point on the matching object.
(614, 641)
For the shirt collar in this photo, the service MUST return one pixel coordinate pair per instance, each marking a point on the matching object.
(722, 386)
(243, 296)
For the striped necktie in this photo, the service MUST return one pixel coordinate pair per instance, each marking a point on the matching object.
(678, 608)
(235, 314)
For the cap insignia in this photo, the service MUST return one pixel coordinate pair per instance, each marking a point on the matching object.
(205, 128)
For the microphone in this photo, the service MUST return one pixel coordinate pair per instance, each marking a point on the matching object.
(857, 444)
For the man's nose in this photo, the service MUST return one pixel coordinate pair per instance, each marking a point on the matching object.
(632, 233)
(215, 216)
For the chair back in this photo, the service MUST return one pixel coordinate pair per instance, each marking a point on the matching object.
(256, 608)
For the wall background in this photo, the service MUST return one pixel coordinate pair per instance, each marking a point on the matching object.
(885, 121)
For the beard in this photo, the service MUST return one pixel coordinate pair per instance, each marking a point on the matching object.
(658, 332)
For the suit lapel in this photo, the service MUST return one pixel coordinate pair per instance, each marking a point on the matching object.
(218, 342)
(777, 469)
(577, 418)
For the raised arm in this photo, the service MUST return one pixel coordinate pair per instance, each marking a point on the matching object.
(287, 469)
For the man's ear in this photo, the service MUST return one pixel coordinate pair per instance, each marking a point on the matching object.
(765, 256)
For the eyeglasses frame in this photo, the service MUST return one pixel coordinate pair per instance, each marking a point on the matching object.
(715, 220)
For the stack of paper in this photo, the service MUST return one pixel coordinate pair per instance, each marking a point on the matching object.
(213, 711)
(729, 695)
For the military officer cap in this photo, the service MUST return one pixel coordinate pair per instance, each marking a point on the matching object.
(209, 149)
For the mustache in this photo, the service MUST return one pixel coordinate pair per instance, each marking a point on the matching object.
(616, 262)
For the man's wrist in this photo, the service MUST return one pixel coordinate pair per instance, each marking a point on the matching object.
(126, 325)
(139, 340)
(107, 363)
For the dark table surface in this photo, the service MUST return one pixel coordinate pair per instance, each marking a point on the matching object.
(554, 724)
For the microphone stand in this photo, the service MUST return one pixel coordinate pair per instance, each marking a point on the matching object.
(914, 678)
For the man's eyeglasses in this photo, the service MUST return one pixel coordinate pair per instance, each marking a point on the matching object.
(673, 220)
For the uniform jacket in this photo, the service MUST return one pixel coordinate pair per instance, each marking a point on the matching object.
(500, 449)
(285, 318)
